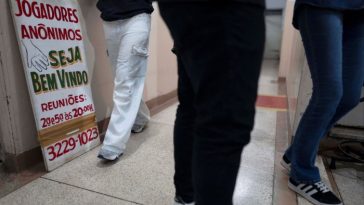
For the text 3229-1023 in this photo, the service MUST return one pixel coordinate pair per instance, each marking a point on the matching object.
(69, 144)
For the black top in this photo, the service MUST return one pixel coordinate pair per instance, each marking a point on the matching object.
(112, 10)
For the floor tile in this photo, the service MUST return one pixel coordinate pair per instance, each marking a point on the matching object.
(143, 174)
(350, 182)
(253, 188)
(259, 155)
(167, 116)
(265, 121)
(9, 182)
(255, 178)
(43, 191)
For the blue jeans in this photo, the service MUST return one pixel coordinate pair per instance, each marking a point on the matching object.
(334, 45)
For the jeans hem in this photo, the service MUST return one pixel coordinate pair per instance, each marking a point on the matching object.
(305, 181)
(112, 149)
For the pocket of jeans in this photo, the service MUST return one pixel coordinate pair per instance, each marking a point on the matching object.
(138, 62)
(140, 51)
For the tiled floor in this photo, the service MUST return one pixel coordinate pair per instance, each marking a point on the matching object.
(12, 181)
(350, 182)
(144, 174)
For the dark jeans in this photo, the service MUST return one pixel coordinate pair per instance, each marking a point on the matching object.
(219, 48)
(334, 44)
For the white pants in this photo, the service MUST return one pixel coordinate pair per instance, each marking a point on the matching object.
(127, 44)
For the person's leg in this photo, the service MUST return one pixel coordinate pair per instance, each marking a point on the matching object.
(183, 137)
(353, 63)
(142, 118)
(222, 59)
(129, 82)
(113, 37)
(322, 32)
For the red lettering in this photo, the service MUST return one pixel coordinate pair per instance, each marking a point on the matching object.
(57, 13)
(70, 14)
(35, 9)
(63, 34)
(44, 107)
(78, 35)
(24, 32)
(43, 12)
(50, 105)
(71, 34)
(50, 11)
(20, 9)
(33, 32)
(64, 14)
(27, 9)
(75, 15)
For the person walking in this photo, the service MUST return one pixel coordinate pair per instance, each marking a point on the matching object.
(333, 36)
(219, 47)
(127, 28)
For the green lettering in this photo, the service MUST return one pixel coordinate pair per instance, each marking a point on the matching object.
(53, 59)
(43, 81)
(70, 60)
(79, 77)
(68, 80)
(85, 77)
(35, 82)
(78, 56)
(73, 78)
(60, 75)
(62, 58)
(52, 82)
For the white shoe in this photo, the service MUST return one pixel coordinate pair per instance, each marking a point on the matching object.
(108, 155)
(137, 128)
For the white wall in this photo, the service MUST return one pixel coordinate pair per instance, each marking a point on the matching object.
(292, 64)
(17, 117)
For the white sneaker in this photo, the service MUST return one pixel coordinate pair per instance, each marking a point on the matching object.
(108, 155)
(137, 128)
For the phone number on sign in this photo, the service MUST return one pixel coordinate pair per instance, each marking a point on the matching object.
(59, 118)
(66, 146)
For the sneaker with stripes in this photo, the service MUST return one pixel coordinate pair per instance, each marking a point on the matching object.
(286, 163)
(317, 193)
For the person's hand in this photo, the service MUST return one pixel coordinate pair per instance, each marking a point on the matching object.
(35, 57)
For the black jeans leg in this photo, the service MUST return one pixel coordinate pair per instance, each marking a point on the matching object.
(183, 136)
(221, 47)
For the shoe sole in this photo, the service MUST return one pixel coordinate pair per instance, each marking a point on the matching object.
(137, 131)
(309, 198)
(106, 159)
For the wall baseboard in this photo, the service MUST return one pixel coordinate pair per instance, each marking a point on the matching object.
(160, 103)
(155, 106)
(18, 163)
